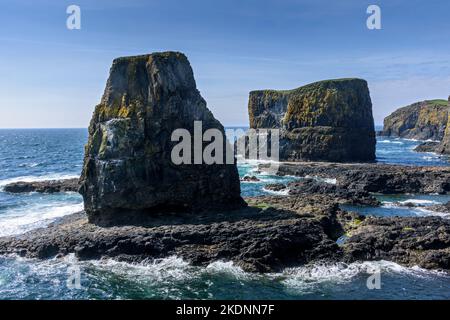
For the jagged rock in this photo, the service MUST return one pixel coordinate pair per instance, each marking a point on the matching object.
(371, 177)
(423, 242)
(442, 208)
(429, 146)
(340, 194)
(255, 241)
(327, 120)
(250, 179)
(421, 120)
(271, 234)
(127, 166)
(277, 187)
(49, 186)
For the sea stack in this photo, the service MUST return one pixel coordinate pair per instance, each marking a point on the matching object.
(128, 171)
(421, 120)
(329, 120)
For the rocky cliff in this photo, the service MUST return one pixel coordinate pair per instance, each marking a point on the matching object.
(444, 147)
(127, 165)
(421, 120)
(325, 121)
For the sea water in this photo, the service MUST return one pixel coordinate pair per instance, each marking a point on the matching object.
(29, 155)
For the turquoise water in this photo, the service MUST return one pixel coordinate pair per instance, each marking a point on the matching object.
(50, 154)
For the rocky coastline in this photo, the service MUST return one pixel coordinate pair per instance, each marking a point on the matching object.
(273, 232)
(140, 205)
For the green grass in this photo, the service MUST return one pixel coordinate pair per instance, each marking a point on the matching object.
(438, 102)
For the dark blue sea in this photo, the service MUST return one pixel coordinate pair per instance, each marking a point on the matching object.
(57, 153)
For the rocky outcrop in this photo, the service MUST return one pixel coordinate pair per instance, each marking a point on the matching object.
(49, 186)
(444, 147)
(340, 194)
(128, 167)
(271, 234)
(377, 178)
(428, 146)
(260, 238)
(328, 120)
(423, 242)
(422, 121)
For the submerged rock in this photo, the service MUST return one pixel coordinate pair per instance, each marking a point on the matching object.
(422, 121)
(250, 179)
(49, 186)
(327, 120)
(128, 167)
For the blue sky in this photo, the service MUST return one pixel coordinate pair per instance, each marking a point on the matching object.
(53, 77)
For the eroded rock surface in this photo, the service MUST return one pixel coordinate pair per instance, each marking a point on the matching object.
(259, 239)
(324, 121)
(422, 121)
(377, 178)
(128, 167)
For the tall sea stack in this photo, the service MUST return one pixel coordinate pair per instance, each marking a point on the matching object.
(128, 167)
(324, 121)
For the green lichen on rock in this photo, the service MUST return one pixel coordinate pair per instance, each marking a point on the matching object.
(329, 120)
(444, 146)
(128, 169)
(421, 120)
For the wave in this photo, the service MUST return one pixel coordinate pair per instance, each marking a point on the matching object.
(418, 202)
(283, 192)
(24, 219)
(320, 179)
(390, 141)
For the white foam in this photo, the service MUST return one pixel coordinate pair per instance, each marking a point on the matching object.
(418, 202)
(283, 192)
(306, 278)
(24, 219)
(170, 268)
(390, 141)
(320, 179)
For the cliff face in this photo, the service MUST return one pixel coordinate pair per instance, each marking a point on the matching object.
(128, 166)
(422, 120)
(324, 121)
(444, 146)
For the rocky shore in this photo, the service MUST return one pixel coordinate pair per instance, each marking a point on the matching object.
(375, 178)
(48, 186)
(140, 205)
(272, 233)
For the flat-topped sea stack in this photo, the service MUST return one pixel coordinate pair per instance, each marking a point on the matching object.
(329, 120)
(421, 120)
(128, 167)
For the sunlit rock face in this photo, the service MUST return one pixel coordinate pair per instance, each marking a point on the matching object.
(128, 167)
(329, 120)
(444, 147)
(421, 120)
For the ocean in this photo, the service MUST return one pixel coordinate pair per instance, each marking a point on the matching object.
(42, 154)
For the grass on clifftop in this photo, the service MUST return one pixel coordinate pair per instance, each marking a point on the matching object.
(438, 102)
(317, 83)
